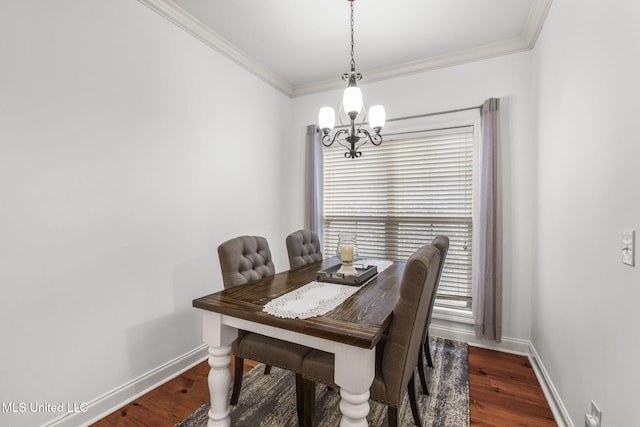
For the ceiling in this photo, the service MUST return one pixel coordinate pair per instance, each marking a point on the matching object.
(303, 46)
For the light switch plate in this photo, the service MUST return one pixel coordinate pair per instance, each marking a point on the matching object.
(628, 247)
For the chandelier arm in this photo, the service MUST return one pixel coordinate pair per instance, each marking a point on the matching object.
(326, 138)
(376, 139)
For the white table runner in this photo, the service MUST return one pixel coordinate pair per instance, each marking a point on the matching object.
(317, 298)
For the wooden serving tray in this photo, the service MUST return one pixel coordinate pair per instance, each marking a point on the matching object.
(365, 272)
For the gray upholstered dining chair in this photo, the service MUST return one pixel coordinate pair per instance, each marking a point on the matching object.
(303, 247)
(397, 352)
(442, 244)
(243, 260)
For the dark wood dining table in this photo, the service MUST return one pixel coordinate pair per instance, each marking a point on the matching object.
(351, 331)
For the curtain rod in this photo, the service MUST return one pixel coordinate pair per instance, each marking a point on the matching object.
(428, 130)
(479, 107)
(435, 114)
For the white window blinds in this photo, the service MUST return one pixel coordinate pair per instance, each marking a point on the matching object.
(400, 195)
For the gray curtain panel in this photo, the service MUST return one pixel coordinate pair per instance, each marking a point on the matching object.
(313, 201)
(488, 277)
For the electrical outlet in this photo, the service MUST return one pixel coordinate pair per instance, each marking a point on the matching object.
(596, 414)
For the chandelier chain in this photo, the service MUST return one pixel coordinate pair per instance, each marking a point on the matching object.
(353, 61)
(352, 137)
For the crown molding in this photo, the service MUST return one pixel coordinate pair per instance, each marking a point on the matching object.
(535, 20)
(537, 15)
(175, 14)
(420, 66)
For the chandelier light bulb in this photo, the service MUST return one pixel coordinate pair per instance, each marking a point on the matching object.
(352, 101)
(376, 117)
(326, 119)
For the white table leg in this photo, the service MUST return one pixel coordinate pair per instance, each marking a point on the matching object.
(219, 337)
(354, 372)
(219, 380)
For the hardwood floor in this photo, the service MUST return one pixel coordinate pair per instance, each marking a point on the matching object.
(503, 391)
(166, 405)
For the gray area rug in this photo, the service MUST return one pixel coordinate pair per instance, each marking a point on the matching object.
(270, 400)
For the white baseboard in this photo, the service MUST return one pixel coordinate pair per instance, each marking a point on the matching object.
(465, 333)
(557, 407)
(516, 346)
(111, 401)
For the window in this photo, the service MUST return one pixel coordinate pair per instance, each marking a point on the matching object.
(398, 196)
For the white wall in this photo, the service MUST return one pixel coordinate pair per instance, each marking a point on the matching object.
(508, 78)
(128, 152)
(585, 301)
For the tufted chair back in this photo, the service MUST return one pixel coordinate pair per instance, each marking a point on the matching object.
(245, 259)
(303, 247)
(401, 349)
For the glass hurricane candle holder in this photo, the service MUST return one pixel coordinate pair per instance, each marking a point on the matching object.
(347, 252)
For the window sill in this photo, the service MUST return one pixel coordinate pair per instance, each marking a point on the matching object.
(453, 315)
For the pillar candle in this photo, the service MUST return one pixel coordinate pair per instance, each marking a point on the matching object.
(346, 253)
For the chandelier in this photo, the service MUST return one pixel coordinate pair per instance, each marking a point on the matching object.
(349, 136)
